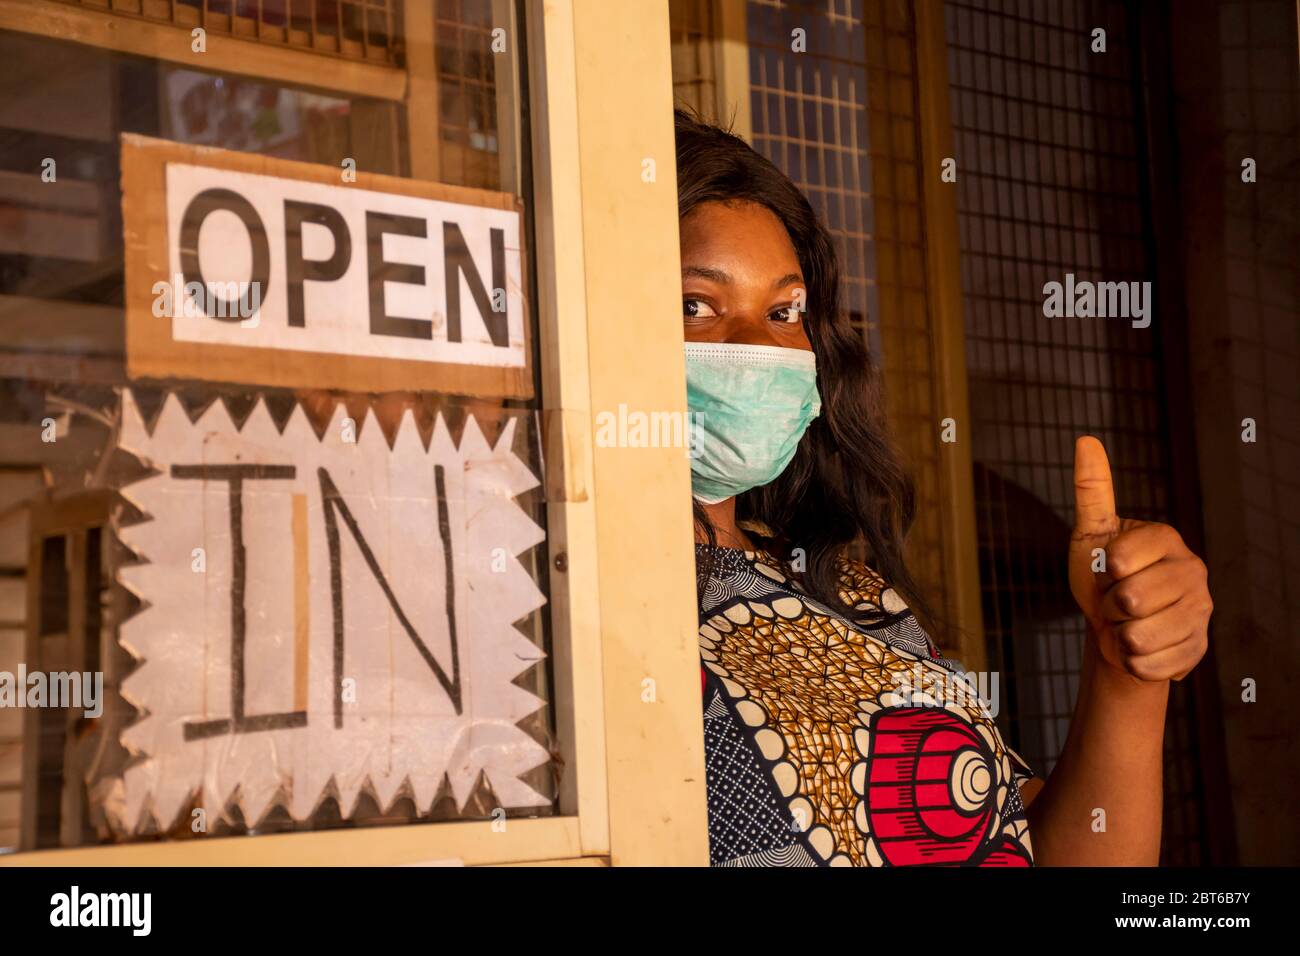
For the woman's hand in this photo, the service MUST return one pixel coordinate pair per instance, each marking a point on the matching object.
(1141, 589)
(1148, 611)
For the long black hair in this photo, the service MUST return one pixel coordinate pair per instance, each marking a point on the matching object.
(845, 481)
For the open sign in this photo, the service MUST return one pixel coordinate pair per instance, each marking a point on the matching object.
(279, 273)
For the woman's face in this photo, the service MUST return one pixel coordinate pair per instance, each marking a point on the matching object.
(741, 281)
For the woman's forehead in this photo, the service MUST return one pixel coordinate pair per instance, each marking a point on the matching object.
(740, 237)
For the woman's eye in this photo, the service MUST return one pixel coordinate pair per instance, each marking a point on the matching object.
(695, 309)
(787, 314)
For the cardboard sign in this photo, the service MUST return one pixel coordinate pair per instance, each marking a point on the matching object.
(261, 271)
(323, 615)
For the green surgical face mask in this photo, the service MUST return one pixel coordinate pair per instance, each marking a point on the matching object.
(749, 405)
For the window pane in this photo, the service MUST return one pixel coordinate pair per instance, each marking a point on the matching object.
(286, 559)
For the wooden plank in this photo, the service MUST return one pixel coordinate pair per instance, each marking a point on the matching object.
(30, 754)
(421, 92)
(45, 233)
(376, 140)
(13, 607)
(508, 113)
(12, 645)
(50, 325)
(11, 751)
(17, 485)
(9, 815)
(59, 368)
(72, 807)
(165, 41)
(62, 195)
(1213, 492)
(571, 861)
(87, 509)
(13, 540)
(473, 843)
(61, 92)
(948, 337)
(731, 55)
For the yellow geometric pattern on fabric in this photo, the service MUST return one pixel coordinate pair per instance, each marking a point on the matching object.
(798, 674)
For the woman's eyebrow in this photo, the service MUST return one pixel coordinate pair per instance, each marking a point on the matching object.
(704, 272)
(724, 278)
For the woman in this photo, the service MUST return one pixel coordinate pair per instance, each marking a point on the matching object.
(835, 733)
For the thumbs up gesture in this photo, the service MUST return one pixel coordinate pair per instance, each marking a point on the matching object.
(1141, 589)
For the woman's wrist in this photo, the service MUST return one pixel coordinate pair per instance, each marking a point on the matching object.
(1114, 681)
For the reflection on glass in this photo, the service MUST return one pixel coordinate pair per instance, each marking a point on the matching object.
(63, 516)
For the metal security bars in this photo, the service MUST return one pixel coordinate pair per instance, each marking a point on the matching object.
(467, 93)
(1050, 183)
(810, 119)
(840, 118)
(695, 84)
(355, 29)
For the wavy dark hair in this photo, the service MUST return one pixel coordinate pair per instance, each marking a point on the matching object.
(845, 482)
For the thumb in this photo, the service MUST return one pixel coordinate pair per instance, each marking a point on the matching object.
(1094, 493)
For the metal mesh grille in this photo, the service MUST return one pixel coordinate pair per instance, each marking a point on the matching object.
(356, 29)
(810, 119)
(695, 85)
(1262, 117)
(467, 94)
(1250, 317)
(906, 330)
(1050, 183)
(840, 120)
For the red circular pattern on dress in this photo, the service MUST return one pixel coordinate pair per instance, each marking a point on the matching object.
(932, 791)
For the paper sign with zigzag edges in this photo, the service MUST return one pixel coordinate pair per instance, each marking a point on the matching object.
(376, 590)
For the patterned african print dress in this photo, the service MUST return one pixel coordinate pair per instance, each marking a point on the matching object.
(834, 743)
